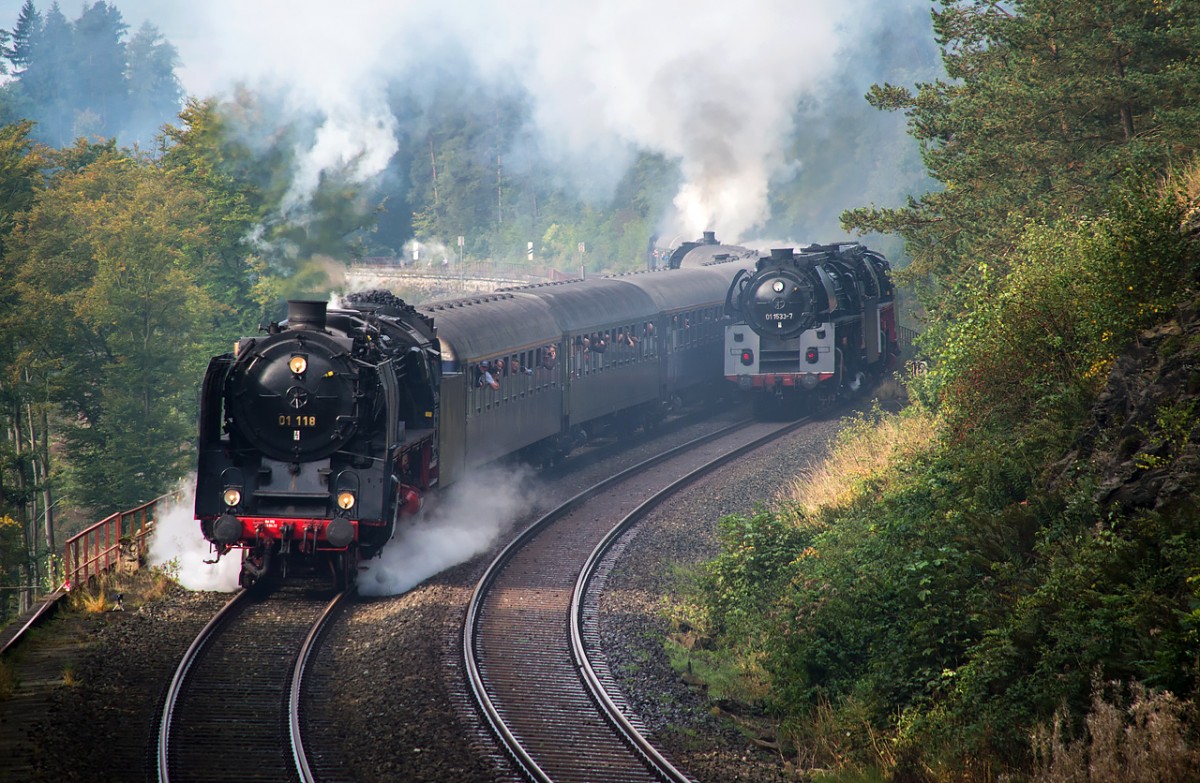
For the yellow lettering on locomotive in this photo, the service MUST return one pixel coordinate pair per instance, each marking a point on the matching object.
(292, 422)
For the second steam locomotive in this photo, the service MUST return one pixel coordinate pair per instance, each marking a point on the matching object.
(820, 321)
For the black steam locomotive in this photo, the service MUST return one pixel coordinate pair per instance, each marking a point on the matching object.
(819, 322)
(708, 250)
(314, 437)
(319, 436)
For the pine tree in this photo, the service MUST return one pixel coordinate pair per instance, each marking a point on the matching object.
(24, 37)
(99, 62)
(1049, 105)
(155, 94)
(47, 90)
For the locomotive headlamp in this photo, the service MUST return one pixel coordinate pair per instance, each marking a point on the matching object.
(812, 355)
(298, 365)
(232, 496)
(747, 357)
(777, 286)
(345, 500)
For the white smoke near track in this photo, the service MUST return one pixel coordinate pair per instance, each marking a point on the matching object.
(468, 518)
(708, 83)
(178, 547)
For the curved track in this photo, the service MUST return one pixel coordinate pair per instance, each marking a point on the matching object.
(233, 711)
(526, 637)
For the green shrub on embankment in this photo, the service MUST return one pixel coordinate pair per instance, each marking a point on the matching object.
(954, 580)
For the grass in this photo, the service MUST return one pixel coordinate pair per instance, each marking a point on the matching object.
(143, 586)
(725, 676)
(866, 448)
(847, 776)
(1142, 738)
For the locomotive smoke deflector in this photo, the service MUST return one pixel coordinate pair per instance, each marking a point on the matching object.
(306, 314)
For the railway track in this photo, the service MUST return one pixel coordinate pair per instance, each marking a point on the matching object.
(236, 708)
(530, 645)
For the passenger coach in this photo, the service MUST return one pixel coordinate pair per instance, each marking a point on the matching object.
(572, 359)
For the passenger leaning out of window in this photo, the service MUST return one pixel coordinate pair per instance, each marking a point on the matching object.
(486, 379)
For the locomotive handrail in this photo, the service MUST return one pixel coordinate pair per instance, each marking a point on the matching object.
(97, 548)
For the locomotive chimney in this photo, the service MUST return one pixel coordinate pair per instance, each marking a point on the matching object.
(710, 238)
(306, 314)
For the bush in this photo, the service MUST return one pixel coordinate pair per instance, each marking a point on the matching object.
(1039, 341)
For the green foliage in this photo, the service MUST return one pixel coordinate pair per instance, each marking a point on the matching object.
(1048, 107)
(758, 557)
(1039, 338)
(111, 319)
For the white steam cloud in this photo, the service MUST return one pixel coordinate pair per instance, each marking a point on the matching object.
(178, 546)
(710, 83)
(468, 518)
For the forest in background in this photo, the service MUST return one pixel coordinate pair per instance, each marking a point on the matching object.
(142, 230)
(1002, 581)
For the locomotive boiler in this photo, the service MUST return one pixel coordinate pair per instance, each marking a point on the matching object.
(709, 250)
(809, 326)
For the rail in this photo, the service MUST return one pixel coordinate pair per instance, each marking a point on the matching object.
(98, 548)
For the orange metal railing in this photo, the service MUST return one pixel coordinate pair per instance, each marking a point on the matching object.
(98, 548)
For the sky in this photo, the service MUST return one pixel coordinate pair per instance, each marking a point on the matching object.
(711, 83)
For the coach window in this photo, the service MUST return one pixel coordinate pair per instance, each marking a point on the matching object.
(550, 356)
(575, 356)
(520, 370)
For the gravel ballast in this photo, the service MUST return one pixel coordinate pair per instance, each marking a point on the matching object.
(402, 714)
